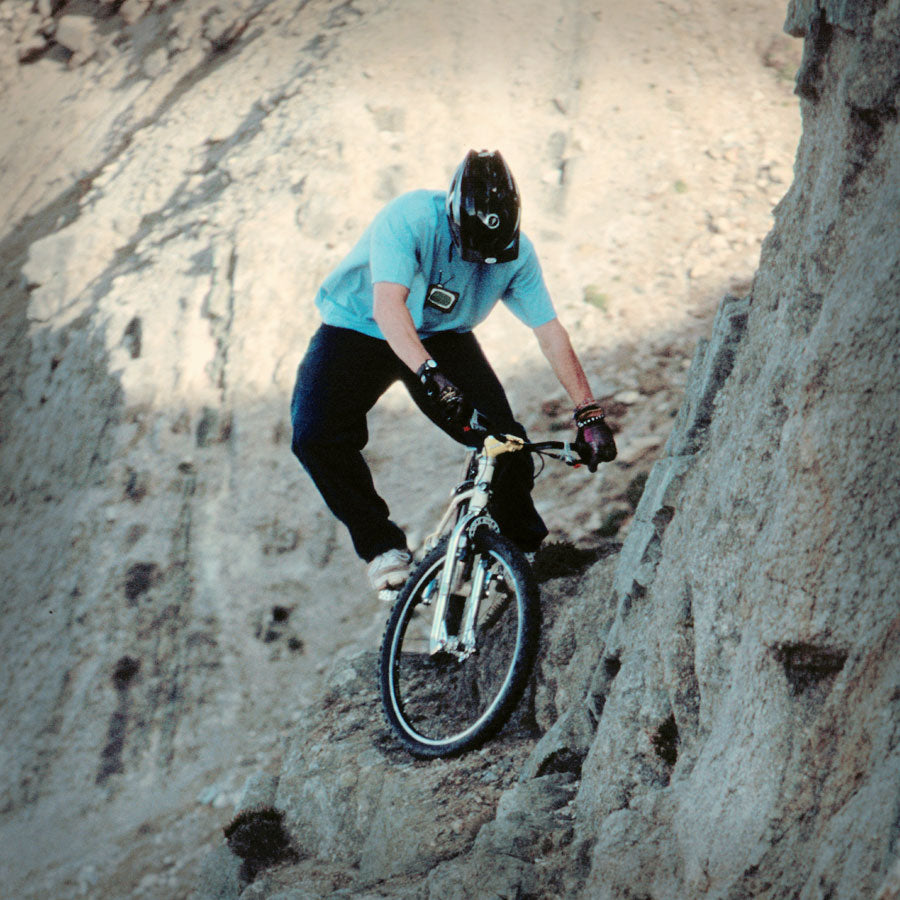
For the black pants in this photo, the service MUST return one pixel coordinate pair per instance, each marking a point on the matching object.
(339, 380)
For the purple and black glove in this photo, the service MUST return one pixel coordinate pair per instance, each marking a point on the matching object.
(595, 441)
(449, 400)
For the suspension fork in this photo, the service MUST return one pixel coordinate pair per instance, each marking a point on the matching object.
(473, 601)
(456, 549)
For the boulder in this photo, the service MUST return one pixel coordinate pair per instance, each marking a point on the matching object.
(77, 34)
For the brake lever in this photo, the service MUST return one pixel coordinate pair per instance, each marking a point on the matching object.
(481, 425)
(571, 456)
(478, 422)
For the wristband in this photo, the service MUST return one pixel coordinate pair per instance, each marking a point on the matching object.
(595, 414)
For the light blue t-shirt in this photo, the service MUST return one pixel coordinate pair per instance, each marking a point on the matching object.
(409, 243)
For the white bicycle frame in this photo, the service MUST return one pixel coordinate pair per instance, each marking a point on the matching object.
(477, 498)
(476, 515)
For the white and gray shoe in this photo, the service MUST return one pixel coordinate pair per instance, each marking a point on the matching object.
(390, 569)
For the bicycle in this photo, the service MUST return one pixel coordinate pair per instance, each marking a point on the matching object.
(462, 635)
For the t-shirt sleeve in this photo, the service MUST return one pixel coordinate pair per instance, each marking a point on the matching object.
(393, 248)
(527, 296)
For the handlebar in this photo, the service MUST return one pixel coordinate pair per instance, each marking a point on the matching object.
(568, 451)
(572, 453)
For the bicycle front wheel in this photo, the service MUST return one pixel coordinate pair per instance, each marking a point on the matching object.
(443, 703)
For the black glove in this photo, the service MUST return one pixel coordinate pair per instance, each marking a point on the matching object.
(452, 406)
(595, 441)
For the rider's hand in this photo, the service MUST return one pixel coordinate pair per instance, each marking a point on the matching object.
(447, 397)
(595, 440)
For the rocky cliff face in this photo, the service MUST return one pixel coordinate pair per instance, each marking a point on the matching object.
(713, 710)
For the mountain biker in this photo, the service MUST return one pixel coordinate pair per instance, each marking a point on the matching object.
(402, 305)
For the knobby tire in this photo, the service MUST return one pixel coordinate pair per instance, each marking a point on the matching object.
(438, 705)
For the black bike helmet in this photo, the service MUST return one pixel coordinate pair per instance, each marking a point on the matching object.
(483, 209)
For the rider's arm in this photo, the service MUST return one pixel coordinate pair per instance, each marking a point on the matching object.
(396, 324)
(554, 342)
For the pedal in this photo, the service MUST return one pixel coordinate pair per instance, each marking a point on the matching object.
(388, 595)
